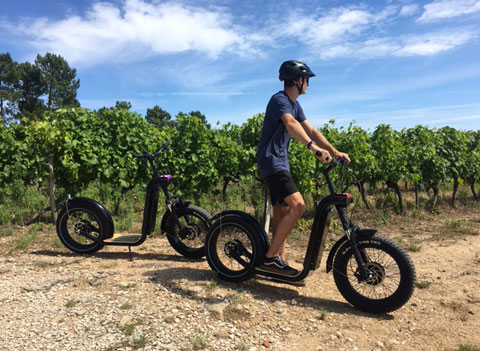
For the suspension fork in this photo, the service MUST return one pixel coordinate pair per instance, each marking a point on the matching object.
(170, 206)
(360, 257)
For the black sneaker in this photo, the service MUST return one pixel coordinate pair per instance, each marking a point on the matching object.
(277, 265)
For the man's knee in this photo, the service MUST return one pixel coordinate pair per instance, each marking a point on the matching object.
(299, 208)
(296, 204)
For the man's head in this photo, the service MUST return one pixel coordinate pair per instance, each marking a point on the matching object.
(294, 72)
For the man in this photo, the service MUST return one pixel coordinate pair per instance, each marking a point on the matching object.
(284, 118)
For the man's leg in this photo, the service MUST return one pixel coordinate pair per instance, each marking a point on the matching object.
(279, 211)
(284, 225)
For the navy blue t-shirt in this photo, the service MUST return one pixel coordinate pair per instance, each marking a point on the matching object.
(272, 154)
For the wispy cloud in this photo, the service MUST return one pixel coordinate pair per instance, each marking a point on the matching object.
(441, 9)
(432, 43)
(360, 33)
(406, 45)
(408, 10)
(194, 93)
(433, 116)
(136, 31)
(128, 31)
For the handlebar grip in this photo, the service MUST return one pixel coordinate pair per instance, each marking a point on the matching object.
(319, 154)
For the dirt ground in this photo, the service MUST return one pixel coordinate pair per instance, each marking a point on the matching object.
(52, 299)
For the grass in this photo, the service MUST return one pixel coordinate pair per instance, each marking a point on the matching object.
(72, 303)
(468, 347)
(323, 314)
(139, 342)
(423, 284)
(199, 342)
(7, 231)
(169, 319)
(238, 298)
(454, 224)
(129, 329)
(410, 246)
(212, 284)
(414, 247)
(24, 242)
(126, 306)
(241, 345)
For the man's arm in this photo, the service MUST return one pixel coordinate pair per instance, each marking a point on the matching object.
(298, 132)
(318, 137)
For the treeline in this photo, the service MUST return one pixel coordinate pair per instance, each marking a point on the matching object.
(51, 143)
(28, 90)
(70, 148)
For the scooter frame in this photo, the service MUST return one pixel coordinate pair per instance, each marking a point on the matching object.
(319, 232)
(172, 203)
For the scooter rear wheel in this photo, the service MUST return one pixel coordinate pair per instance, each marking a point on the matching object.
(189, 240)
(231, 239)
(80, 226)
(393, 275)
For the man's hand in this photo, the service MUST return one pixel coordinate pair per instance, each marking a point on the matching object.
(322, 154)
(342, 155)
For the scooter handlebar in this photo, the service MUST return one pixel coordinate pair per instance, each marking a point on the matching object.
(148, 156)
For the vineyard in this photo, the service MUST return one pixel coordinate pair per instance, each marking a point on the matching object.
(72, 150)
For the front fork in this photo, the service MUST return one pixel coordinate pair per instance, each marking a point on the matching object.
(350, 231)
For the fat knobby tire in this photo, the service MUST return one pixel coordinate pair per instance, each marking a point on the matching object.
(181, 246)
(405, 286)
(219, 231)
(65, 216)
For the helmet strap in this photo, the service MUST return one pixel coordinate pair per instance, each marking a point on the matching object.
(300, 88)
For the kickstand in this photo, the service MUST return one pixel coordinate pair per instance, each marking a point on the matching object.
(130, 252)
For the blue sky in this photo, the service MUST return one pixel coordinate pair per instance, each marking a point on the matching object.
(397, 62)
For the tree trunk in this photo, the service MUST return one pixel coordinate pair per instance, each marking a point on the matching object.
(417, 200)
(361, 189)
(394, 186)
(435, 194)
(455, 188)
(124, 191)
(51, 189)
(226, 181)
(472, 186)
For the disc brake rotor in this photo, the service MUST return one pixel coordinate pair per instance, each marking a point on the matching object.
(377, 273)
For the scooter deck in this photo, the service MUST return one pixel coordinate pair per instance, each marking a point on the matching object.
(124, 239)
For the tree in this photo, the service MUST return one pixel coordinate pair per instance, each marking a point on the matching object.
(389, 152)
(123, 105)
(9, 93)
(454, 150)
(59, 81)
(159, 118)
(197, 114)
(357, 143)
(30, 84)
(473, 160)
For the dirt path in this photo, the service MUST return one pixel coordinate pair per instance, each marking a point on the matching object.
(51, 299)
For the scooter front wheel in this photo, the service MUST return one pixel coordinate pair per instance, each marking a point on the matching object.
(233, 248)
(81, 227)
(392, 279)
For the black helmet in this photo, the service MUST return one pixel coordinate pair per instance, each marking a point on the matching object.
(293, 69)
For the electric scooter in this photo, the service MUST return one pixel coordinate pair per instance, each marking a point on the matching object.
(371, 272)
(84, 226)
